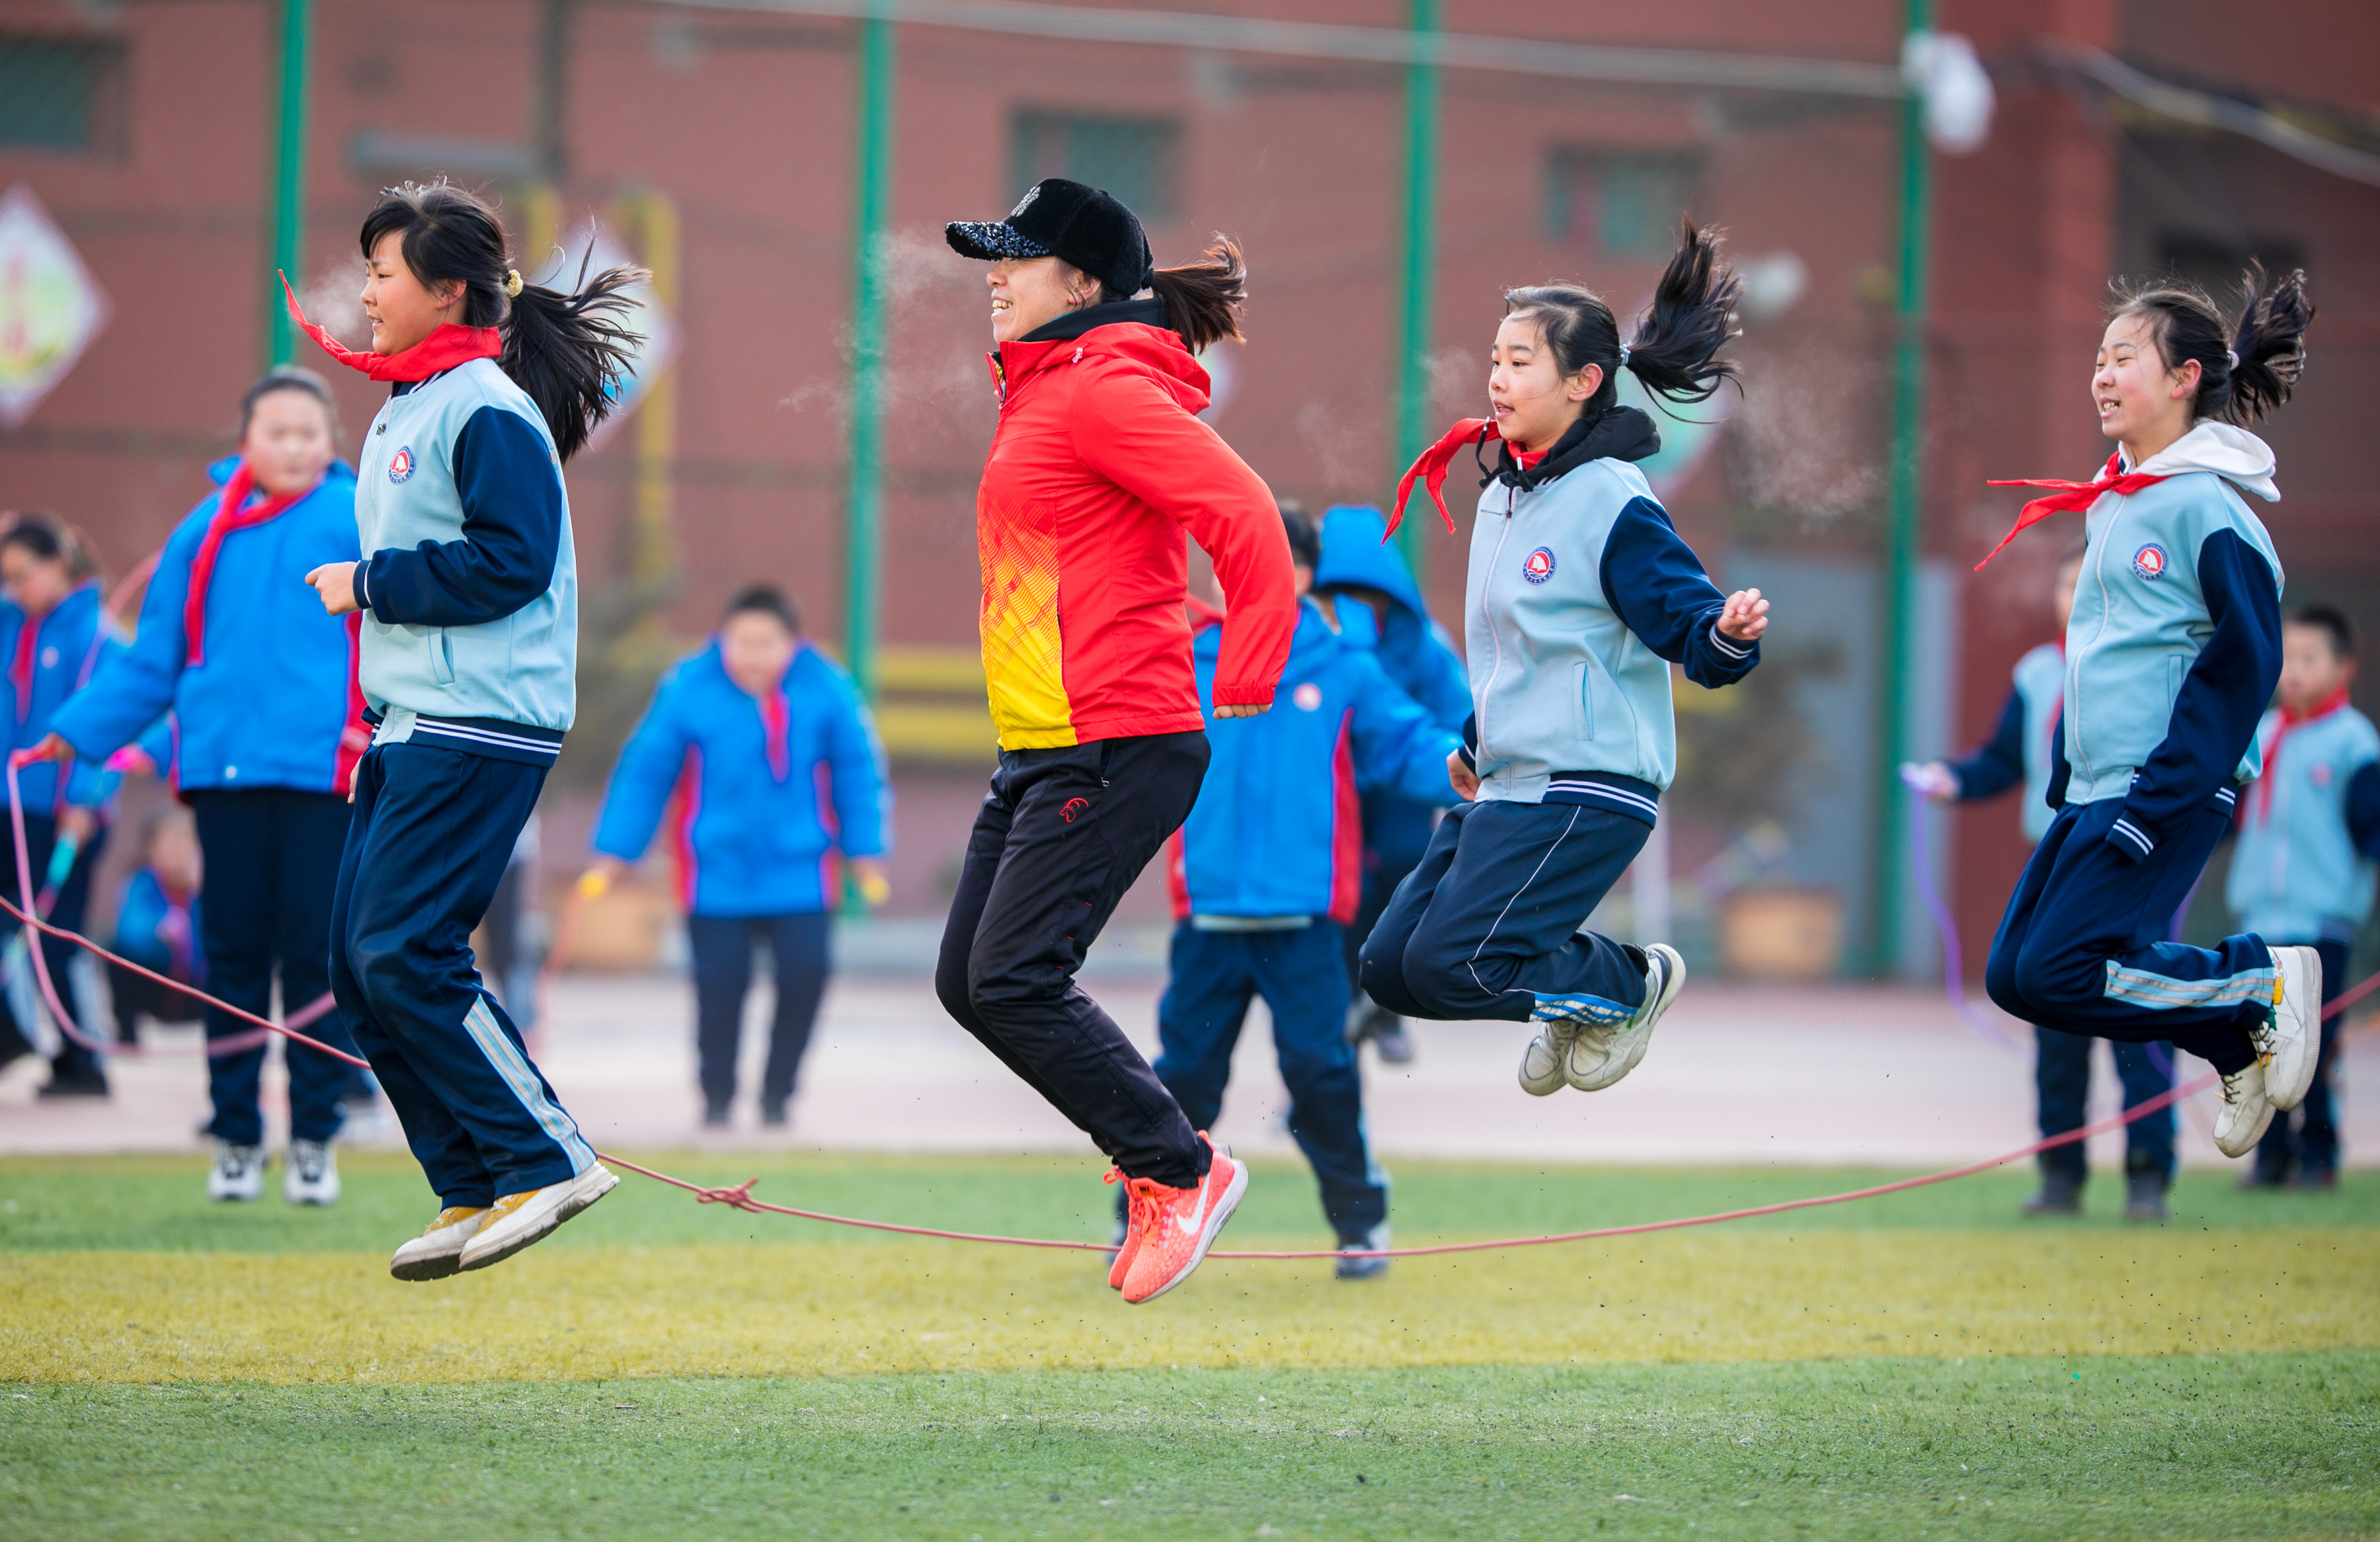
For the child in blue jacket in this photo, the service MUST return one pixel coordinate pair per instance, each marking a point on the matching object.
(1268, 873)
(1579, 597)
(2302, 871)
(1368, 589)
(159, 919)
(53, 634)
(2019, 752)
(265, 730)
(778, 776)
(2171, 655)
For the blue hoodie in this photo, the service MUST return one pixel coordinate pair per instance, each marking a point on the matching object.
(1275, 833)
(152, 929)
(764, 807)
(38, 670)
(1415, 651)
(271, 706)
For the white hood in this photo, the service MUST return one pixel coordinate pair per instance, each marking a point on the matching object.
(2232, 454)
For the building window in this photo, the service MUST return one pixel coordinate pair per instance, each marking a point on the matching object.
(1617, 203)
(61, 94)
(1132, 158)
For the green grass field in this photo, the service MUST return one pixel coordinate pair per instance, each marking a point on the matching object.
(1920, 1366)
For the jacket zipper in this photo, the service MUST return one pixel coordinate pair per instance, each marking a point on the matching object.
(1486, 592)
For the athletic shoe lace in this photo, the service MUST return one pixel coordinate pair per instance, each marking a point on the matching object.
(1138, 1200)
(2235, 1085)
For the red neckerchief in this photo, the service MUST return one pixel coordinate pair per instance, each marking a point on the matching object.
(29, 641)
(229, 516)
(1527, 459)
(1431, 469)
(2291, 718)
(2112, 478)
(441, 350)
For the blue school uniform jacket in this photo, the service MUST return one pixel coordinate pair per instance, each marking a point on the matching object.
(2309, 831)
(45, 662)
(272, 703)
(1277, 833)
(2018, 749)
(2175, 642)
(151, 929)
(768, 792)
(1581, 595)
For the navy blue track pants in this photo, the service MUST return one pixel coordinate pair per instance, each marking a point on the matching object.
(1487, 926)
(1303, 979)
(799, 948)
(2061, 1075)
(2082, 947)
(432, 832)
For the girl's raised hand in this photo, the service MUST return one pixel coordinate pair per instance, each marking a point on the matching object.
(1746, 615)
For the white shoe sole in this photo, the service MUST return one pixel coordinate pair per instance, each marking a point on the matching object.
(312, 1193)
(2288, 1075)
(1631, 1041)
(1224, 1206)
(1545, 1087)
(439, 1258)
(2238, 1146)
(536, 1220)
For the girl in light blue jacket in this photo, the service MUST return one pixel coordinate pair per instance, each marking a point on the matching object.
(1580, 598)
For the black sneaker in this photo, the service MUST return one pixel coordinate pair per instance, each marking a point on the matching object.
(1357, 1266)
(2058, 1196)
(2145, 1198)
(1370, 1022)
(714, 1116)
(89, 1084)
(773, 1114)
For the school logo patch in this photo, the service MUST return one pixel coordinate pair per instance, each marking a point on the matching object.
(1308, 698)
(401, 466)
(1539, 565)
(1075, 809)
(2149, 561)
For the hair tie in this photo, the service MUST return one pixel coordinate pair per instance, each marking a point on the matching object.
(1623, 355)
(2230, 359)
(513, 283)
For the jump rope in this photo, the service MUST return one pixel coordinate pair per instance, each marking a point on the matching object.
(739, 1196)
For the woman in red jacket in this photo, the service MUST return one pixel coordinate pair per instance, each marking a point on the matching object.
(1098, 468)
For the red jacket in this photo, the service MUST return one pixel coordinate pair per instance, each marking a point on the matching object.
(1097, 470)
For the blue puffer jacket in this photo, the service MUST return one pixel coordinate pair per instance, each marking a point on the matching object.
(769, 792)
(271, 705)
(1415, 650)
(45, 662)
(1276, 832)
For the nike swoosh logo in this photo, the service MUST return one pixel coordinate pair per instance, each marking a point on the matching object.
(1191, 1223)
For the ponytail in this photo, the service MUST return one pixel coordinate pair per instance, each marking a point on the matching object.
(2246, 370)
(1674, 351)
(1203, 299)
(566, 350)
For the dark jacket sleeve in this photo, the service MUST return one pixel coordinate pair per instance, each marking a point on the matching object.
(512, 531)
(2222, 699)
(1997, 763)
(1656, 584)
(2363, 811)
(2061, 769)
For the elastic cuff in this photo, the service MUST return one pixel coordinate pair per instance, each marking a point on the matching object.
(1470, 760)
(1241, 696)
(363, 596)
(2131, 840)
(1738, 651)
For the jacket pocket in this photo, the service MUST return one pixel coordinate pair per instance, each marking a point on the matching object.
(441, 656)
(1582, 706)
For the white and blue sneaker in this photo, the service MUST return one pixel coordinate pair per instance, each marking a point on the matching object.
(238, 1175)
(310, 1174)
(2289, 1044)
(1600, 1056)
(1353, 1265)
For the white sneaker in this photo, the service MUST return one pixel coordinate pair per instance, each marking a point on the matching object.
(1597, 1060)
(310, 1174)
(2239, 1122)
(1541, 1062)
(2291, 1041)
(438, 1252)
(522, 1219)
(239, 1172)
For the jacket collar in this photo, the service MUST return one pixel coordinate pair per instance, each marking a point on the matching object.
(1133, 330)
(1615, 433)
(1073, 323)
(2232, 454)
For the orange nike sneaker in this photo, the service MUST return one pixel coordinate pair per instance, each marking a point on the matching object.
(1182, 1225)
(1135, 1220)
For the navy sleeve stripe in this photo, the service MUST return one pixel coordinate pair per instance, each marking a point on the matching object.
(511, 492)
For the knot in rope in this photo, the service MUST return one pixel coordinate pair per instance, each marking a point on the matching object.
(739, 1196)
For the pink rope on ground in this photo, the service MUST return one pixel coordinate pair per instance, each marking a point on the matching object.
(739, 1195)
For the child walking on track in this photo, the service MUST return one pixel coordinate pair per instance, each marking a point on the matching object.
(1097, 469)
(774, 761)
(262, 687)
(2302, 870)
(469, 589)
(1579, 597)
(2171, 655)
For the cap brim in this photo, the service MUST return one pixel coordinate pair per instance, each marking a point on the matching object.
(990, 242)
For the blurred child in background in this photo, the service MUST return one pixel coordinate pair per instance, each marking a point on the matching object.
(2019, 751)
(1267, 876)
(2301, 872)
(1367, 591)
(157, 925)
(779, 777)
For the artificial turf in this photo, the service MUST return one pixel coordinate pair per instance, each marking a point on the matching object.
(2275, 1446)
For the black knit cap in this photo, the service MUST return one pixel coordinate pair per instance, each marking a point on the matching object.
(1067, 220)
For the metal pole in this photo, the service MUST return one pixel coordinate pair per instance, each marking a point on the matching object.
(1900, 563)
(871, 194)
(288, 178)
(1420, 266)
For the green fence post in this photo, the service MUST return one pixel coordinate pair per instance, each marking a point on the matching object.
(871, 194)
(1420, 267)
(288, 178)
(1901, 569)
